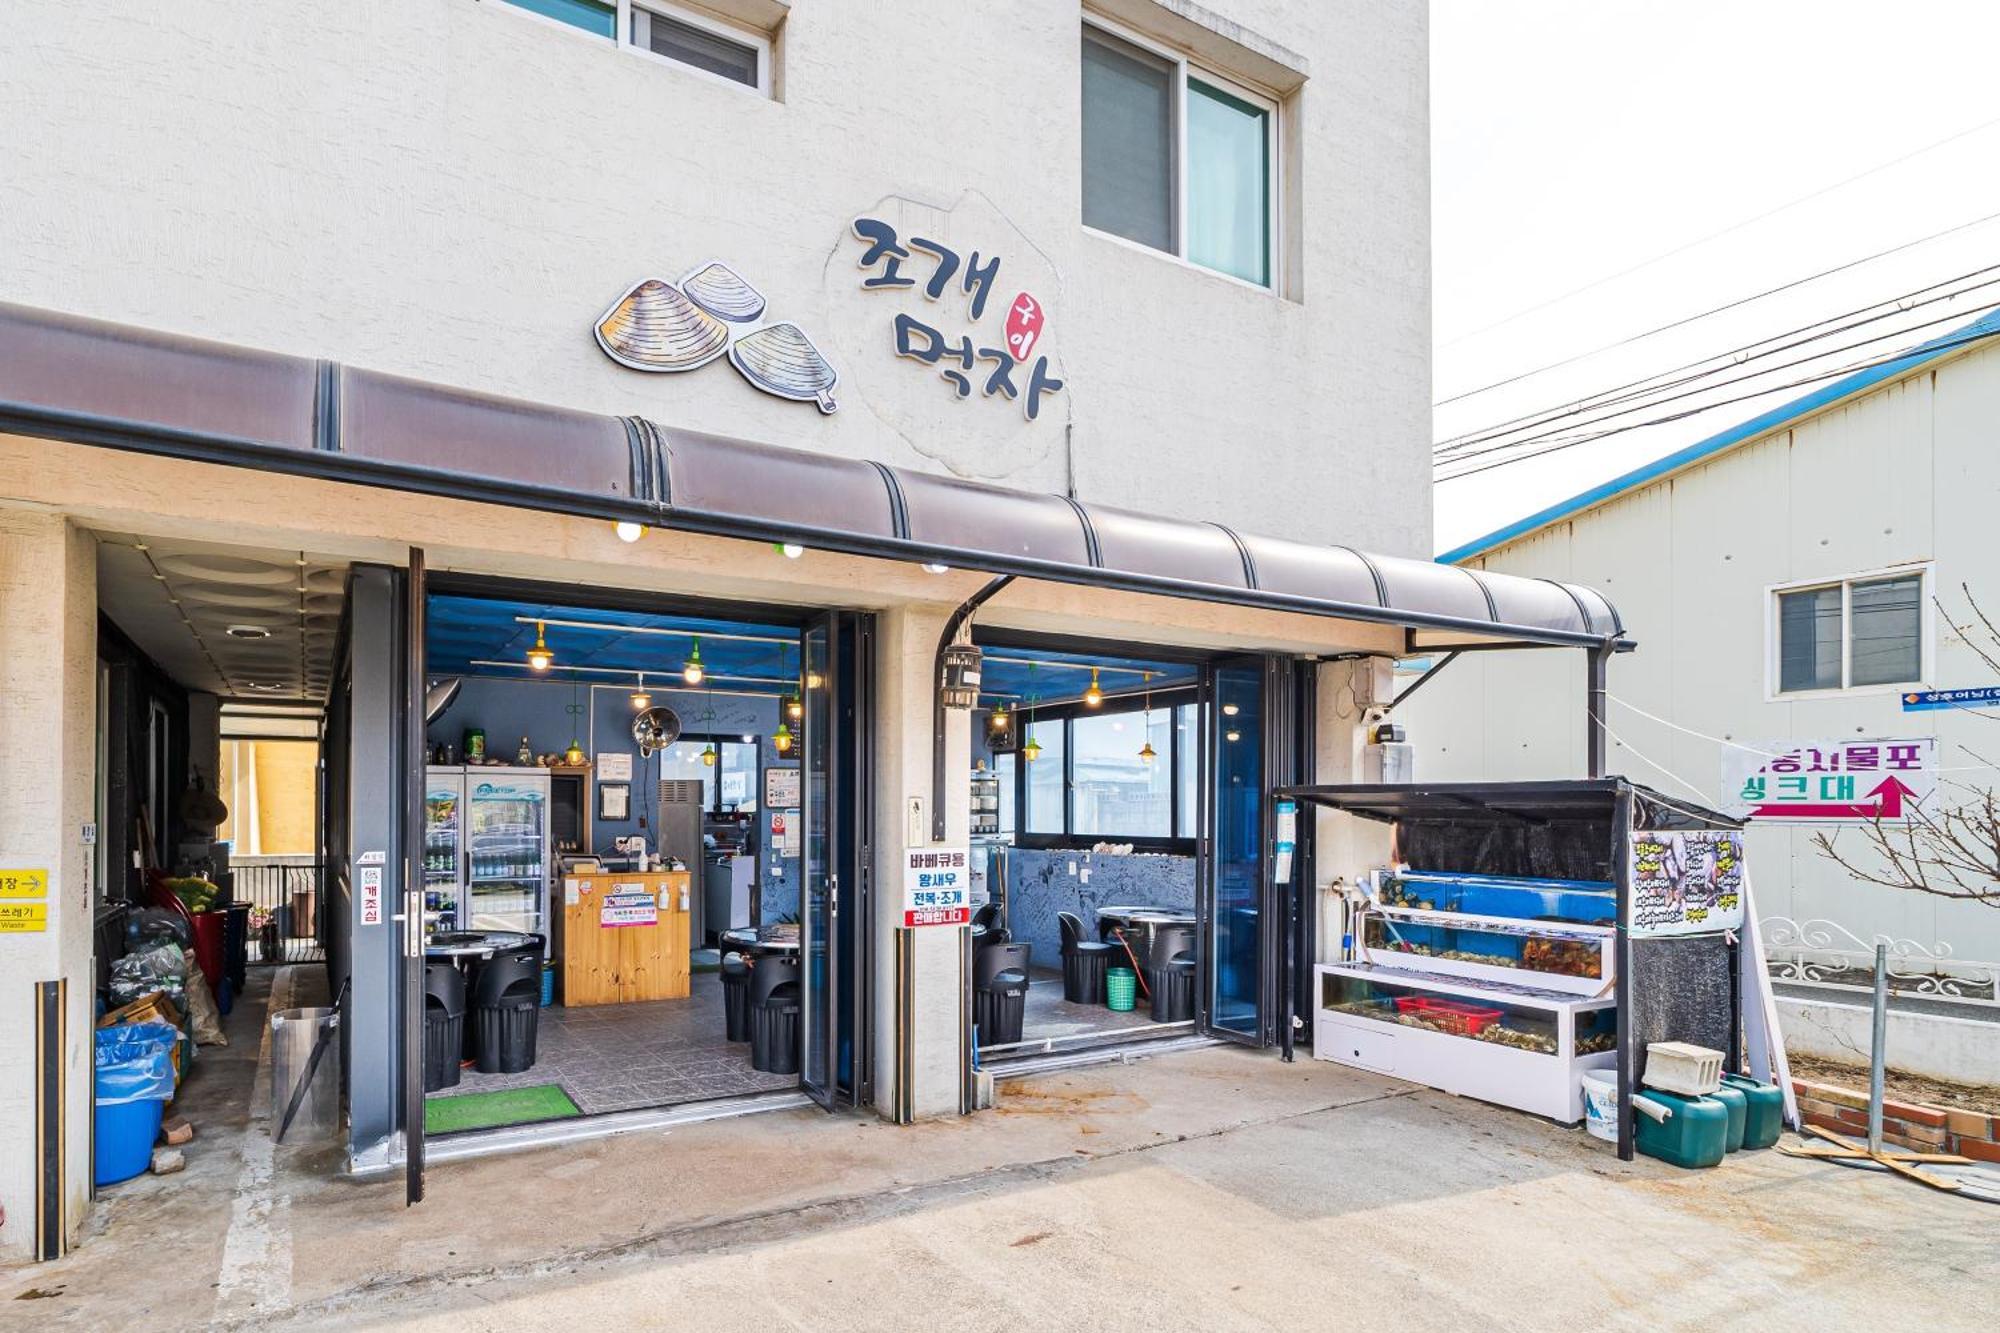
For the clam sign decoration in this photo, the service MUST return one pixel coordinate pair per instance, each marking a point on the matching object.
(666, 328)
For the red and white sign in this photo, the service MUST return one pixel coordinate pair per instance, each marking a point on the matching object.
(1024, 326)
(937, 886)
(628, 905)
(371, 895)
(1830, 782)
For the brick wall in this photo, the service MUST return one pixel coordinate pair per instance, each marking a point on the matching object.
(1971, 1134)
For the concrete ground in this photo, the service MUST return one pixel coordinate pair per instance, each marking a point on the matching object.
(1218, 1188)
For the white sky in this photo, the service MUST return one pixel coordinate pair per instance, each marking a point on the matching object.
(1574, 139)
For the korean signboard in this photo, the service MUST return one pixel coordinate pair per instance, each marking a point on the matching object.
(937, 887)
(1829, 782)
(628, 905)
(1686, 883)
(1924, 701)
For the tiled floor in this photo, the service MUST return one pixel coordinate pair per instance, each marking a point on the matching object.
(1050, 1017)
(617, 1057)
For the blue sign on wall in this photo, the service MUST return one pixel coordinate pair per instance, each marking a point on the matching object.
(1918, 701)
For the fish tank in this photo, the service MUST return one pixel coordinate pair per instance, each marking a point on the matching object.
(1494, 1021)
(1546, 933)
(1576, 901)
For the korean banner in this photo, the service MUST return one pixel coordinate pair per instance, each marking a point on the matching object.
(1686, 883)
(1829, 782)
(937, 886)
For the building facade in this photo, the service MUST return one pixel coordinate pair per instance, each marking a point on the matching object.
(1793, 582)
(864, 323)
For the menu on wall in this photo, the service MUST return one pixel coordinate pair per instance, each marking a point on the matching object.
(1686, 882)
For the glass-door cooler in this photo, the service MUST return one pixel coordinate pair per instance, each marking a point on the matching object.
(444, 795)
(506, 861)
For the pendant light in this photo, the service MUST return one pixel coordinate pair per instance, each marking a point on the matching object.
(795, 707)
(539, 656)
(628, 531)
(642, 698)
(708, 756)
(574, 755)
(692, 673)
(1033, 749)
(999, 718)
(782, 738)
(1146, 752)
(1093, 696)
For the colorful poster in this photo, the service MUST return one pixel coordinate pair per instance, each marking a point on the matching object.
(1829, 782)
(937, 886)
(1686, 883)
(627, 906)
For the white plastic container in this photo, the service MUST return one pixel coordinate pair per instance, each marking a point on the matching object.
(1600, 1103)
(1677, 1066)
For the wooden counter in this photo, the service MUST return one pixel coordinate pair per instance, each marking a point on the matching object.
(625, 937)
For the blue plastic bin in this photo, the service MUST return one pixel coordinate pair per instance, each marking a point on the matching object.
(134, 1079)
(126, 1132)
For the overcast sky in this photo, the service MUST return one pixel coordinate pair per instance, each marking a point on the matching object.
(1576, 139)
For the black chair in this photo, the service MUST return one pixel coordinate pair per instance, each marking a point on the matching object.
(444, 1025)
(1000, 992)
(774, 1016)
(735, 997)
(1170, 974)
(507, 1009)
(1085, 962)
(986, 926)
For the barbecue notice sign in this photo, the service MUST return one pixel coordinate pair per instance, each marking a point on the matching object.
(937, 887)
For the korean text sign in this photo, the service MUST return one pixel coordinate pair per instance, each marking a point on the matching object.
(937, 887)
(1686, 883)
(1829, 782)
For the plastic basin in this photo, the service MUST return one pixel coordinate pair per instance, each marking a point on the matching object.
(126, 1132)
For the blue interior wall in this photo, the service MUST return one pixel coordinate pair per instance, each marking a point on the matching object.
(1040, 885)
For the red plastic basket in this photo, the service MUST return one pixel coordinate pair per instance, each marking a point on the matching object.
(1448, 1015)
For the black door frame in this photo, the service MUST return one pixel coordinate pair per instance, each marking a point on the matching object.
(411, 915)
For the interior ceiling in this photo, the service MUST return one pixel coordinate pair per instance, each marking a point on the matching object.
(467, 636)
(238, 622)
(1015, 675)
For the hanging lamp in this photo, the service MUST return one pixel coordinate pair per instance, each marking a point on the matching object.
(1033, 749)
(642, 698)
(782, 738)
(708, 756)
(539, 656)
(998, 718)
(1146, 752)
(692, 673)
(1093, 696)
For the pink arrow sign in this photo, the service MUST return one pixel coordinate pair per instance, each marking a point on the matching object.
(1890, 791)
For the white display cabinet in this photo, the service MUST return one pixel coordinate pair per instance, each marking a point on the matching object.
(1506, 1042)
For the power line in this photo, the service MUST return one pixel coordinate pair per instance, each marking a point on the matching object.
(1647, 388)
(1733, 227)
(1716, 310)
(1932, 349)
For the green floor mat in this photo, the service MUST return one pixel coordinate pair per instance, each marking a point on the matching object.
(484, 1110)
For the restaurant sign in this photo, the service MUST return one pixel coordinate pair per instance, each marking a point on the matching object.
(1924, 701)
(1686, 883)
(1829, 782)
(937, 887)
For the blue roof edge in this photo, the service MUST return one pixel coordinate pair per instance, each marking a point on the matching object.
(1986, 325)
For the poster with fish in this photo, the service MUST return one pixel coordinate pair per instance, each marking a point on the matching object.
(1685, 882)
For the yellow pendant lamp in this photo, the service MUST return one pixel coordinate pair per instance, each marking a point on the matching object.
(539, 656)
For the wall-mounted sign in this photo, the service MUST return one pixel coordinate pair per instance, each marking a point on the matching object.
(1829, 782)
(628, 905)
(1923, 701)
(665, 327)
(1686, 883)
(937, 886)
(781, 788)
(371, 895)
(24, 883)
(992, 362)
(614, 766)
(24, 918)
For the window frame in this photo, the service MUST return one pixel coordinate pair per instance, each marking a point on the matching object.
(1185, 65)
(1774, 633)
(1069, 838)
(621, 38)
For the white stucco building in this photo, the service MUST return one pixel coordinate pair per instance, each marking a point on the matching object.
(1789, 581)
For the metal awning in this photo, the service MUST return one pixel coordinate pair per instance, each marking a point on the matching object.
(69, 378)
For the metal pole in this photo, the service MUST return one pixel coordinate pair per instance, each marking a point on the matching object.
(1877, 1048)
(1596, 668)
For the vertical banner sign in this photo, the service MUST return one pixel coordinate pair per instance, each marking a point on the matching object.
(937, 886)
(371, 895)
(1830, 782)
(1287, 841)
(1686, 883)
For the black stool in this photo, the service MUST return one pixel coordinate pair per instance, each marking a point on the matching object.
(1085, 962)
(774, 1016)
(735, 997)
(444, 1025)
(1170, 974)
(507, 1009)
(1000, 992)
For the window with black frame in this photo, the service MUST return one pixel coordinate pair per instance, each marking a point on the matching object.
(1116, 774)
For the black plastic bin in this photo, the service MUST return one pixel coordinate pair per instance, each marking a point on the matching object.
(507, 1011)
(1000, 992)
(444, 1025)
(774, 1016)
(735, 998)
(236, 945)
(1173, 991)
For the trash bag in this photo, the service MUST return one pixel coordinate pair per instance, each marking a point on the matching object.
(154, 925)
(204, 1018)
(135, 1063)
(159, 968)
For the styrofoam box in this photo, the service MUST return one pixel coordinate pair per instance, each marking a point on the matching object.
(1678, 1066)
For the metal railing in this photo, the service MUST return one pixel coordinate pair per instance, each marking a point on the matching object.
(1823, 953)
(287, 907)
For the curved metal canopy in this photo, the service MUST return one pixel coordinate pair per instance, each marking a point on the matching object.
(66, 377)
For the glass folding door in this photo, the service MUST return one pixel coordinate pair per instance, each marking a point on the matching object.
(1235, 897)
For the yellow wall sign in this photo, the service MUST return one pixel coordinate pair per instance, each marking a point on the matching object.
(24, 883)
(23, 918)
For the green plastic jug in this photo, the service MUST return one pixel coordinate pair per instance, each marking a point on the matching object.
(1692, 1132)
(1763, 1112)
(1734, 1102)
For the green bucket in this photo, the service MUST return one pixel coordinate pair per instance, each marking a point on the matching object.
(1121, 988)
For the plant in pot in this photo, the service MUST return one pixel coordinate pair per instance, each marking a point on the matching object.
(264, 922)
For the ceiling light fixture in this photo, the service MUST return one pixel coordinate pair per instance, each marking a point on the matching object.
(1146, 752)
(937, 569)
(642, 698)
(782, 738)
(628, 531)
(692, 673)
(708, 756)
(1093, 697)
(795, 707)
(790, 550)
(247, 632)
(539, 656)
(999, 719)
(1033, 749)
(1230, 710)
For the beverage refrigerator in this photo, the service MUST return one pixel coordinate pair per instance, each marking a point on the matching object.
(486, 849)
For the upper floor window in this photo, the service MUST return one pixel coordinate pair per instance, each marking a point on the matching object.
(659, 28)
(1177, 158)
(1856, 632)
